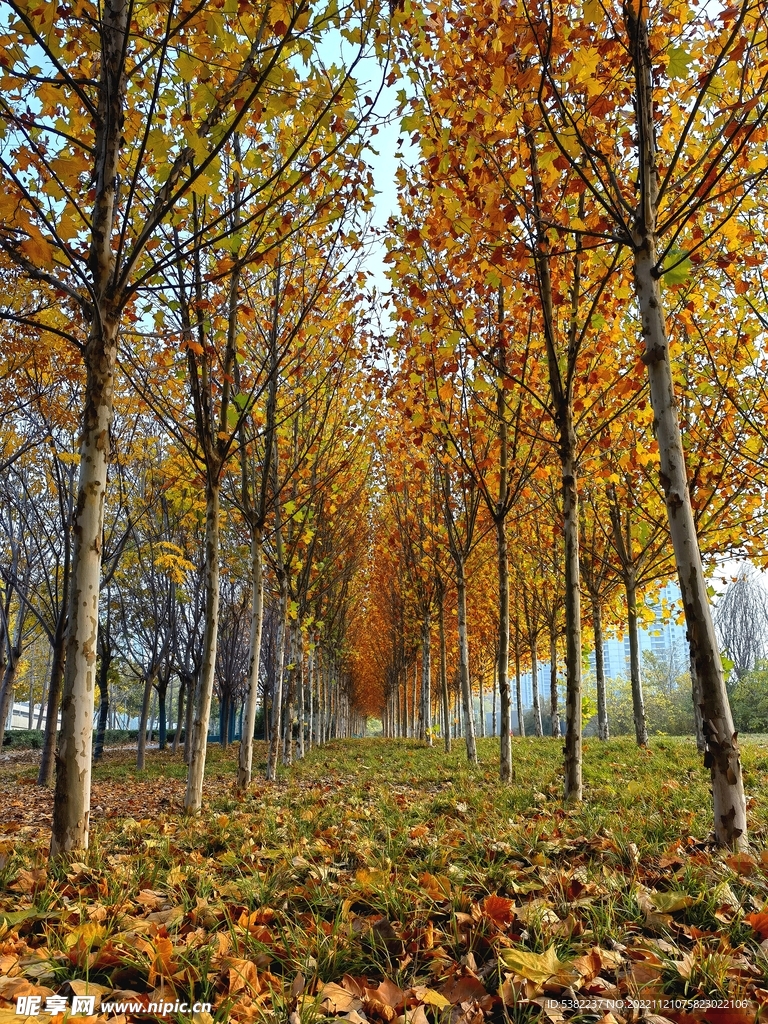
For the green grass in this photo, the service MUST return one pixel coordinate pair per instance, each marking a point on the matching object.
(374, 859)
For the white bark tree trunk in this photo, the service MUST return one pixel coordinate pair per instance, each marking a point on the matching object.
(722, 756)
(72, 794)
(444, 692)
(602, 707)
(466, 688)
(554, 712)
(535, 687)
(277, 699)
(301, 682)
(573, 784)
(638, 700)
(193, 798)
(142, 739)
(425, 730)
(518, 685)
(245, 755)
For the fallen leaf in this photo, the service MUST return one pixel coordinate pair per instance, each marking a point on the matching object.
(537, 967)
(243, 976)
(430, 997)
(499, 909)
(463, 989)
(758, 923)
(335, 999)
(670, 902)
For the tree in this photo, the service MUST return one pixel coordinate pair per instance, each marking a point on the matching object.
(750, 699)
(176, 84)
(741, 620)
(668, 172)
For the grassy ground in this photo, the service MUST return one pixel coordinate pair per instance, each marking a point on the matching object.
(383, 881)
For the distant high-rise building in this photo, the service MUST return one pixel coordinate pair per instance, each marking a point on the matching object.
(664, 636)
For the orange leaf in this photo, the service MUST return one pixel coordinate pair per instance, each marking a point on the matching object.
(499, 909)
(243, 974)
(37, 250)
(759, 923)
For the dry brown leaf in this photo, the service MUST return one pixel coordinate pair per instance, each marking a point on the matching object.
(388, 993)
(415, 1016)
(758, 923)
(12, 988)
(149, 899)
(77, 987)
(354, 985)
(30, 881)
(741, 863)
(375, 1008)
(463, 989)
(437, 887)
(335, 999)
(589, 965)
(243, 976)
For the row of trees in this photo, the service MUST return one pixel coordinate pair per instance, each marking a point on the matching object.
(587, 193)
(215, 439)
(183, 196)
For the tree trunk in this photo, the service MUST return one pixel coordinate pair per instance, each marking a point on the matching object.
(602, 704)
(466, 689)
(277, 700)
(561, 389)
(638, 702)
(105, 662)
(72, 796)
(301, 690)
(145, 702)
(311, 684)
(8, 691)
(44, 695)
(535, 687)
(722, 756)
(573, 786)
(162, 718)
(519, 689)
(45, 774)
(290, 704)
(553, 709)
(415, 699)
(502, 559)
(225, 705)
(495, 695)
(198, 743)
(179, 714)
(189, 716)
(444, 692)
(698, 720)
(245, 756)
(482, 707)
(425, 730)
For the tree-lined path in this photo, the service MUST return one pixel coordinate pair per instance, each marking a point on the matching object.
(247, 493)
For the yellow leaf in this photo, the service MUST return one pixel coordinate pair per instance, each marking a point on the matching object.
(536, 967)
(37, 249)
(669, 902)
(432, 998)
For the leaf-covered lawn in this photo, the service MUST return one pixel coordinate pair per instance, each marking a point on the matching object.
(387, 882)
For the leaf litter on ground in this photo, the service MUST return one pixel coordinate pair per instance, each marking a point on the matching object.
(387, 882)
